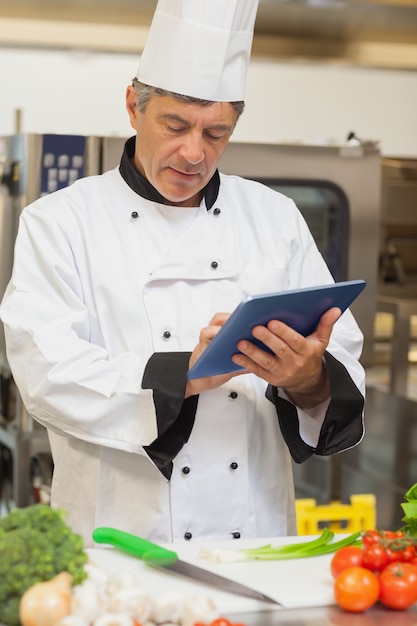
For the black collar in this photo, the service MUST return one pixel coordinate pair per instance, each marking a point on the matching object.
(143, 187)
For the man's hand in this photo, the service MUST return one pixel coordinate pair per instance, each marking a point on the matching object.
(296, 362)
(198, 385)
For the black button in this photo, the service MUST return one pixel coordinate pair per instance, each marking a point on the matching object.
(214, 265)
(134, 214)
(166, 334)
(187, 536)
(185, 470)
(216, 211)
(233, 395)
(236, 534)
(233, 465)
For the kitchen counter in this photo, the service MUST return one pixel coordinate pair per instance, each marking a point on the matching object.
(304, 587)
(328, 616)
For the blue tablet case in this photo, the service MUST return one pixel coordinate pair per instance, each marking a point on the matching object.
(301, 309)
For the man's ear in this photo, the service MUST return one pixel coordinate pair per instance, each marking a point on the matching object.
(131, 105)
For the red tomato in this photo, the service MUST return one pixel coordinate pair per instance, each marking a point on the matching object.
(356, 589)
(344, 558)
(388, 534)
(375, 557)
(407, 554)
(221, 621)
(399, 534)
(371, 537)
(398, 585)
(393, 555)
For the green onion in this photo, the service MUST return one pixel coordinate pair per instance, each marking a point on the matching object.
(319, 546)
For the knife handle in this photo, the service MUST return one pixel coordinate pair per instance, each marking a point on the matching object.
(134, 545)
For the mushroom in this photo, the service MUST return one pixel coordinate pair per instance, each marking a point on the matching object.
(168, 607)
(113, 619)
(132, 600)
(198, 609)
(88, 601)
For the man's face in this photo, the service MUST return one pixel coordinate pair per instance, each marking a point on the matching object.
(178, 145)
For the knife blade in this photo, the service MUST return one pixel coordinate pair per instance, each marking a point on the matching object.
(158, 557)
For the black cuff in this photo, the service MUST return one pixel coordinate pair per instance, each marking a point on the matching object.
(343, 424)
(166, 374)
(165, 448)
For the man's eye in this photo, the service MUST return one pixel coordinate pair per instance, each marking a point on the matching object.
(176, 129)
(214, 136)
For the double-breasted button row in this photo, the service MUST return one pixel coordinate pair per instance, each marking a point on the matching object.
(214, 264)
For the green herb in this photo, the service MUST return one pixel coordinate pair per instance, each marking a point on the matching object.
(410, 509)
(319, 546)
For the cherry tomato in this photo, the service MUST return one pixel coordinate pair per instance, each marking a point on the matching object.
(375, 557)
(407, 554)
(398, 585)
(356, 589)
(370, 537)
(344, 558)
(388, 534)
(399, 534)
(221, 621)
(392, 555)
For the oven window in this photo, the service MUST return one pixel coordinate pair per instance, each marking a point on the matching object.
(325, 208)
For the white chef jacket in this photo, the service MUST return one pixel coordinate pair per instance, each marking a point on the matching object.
(103, 279)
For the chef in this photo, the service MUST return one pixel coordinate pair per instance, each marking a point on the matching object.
(121, 280)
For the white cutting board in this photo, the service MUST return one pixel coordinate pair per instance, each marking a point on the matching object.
(294, 583)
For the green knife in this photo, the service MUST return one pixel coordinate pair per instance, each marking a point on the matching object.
(167, 560)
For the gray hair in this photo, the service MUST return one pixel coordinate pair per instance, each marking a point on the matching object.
(145, 92)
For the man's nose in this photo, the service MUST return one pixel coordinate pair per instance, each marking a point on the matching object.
(192, 148)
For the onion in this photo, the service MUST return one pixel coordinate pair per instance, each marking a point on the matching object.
(45, 603)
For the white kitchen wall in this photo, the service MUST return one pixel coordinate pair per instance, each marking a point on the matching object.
(83, 93)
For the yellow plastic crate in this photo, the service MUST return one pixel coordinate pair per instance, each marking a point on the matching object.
(360, 514)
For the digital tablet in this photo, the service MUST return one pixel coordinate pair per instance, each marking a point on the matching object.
(301, 309)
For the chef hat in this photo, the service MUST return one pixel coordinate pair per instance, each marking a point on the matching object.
(200, 48)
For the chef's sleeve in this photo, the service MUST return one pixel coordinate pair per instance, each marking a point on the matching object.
(342, 426)
(166, 375)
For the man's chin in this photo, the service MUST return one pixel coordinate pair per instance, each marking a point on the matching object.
(182, 197)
